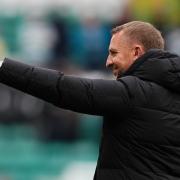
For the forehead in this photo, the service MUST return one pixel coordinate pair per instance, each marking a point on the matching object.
(117, 40)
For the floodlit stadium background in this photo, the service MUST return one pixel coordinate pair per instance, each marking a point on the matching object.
(37, 140)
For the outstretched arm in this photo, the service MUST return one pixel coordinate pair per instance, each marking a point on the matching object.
(99, 97)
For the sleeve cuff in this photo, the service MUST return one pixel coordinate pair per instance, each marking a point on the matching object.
(1, 61)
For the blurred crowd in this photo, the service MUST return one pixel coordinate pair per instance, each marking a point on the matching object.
(72, 37)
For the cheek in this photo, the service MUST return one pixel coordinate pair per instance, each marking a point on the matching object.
(117, 63)
(118, 59)
(122, 63)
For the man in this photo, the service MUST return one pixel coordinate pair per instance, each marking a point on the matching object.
(141, 109)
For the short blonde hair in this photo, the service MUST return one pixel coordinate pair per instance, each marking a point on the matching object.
(142, 32)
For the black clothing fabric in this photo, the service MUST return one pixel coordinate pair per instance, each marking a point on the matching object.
(141, 109)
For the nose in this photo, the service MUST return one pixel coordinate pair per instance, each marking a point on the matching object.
(109, 62)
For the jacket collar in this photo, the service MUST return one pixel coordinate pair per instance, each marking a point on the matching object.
(152, 53)
(158, 66)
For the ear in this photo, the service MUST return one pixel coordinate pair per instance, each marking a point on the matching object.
(138, 51)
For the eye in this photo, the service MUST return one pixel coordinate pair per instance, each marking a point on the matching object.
(113, 53)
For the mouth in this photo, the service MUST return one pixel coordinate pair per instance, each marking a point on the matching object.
(115, 72)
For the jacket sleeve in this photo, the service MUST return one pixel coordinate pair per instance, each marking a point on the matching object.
(98, 96)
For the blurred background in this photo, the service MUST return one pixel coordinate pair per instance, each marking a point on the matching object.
(38, 141)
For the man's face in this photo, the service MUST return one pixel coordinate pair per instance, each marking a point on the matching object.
(121, 54)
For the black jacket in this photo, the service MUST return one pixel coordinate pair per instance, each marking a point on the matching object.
(141, 127)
